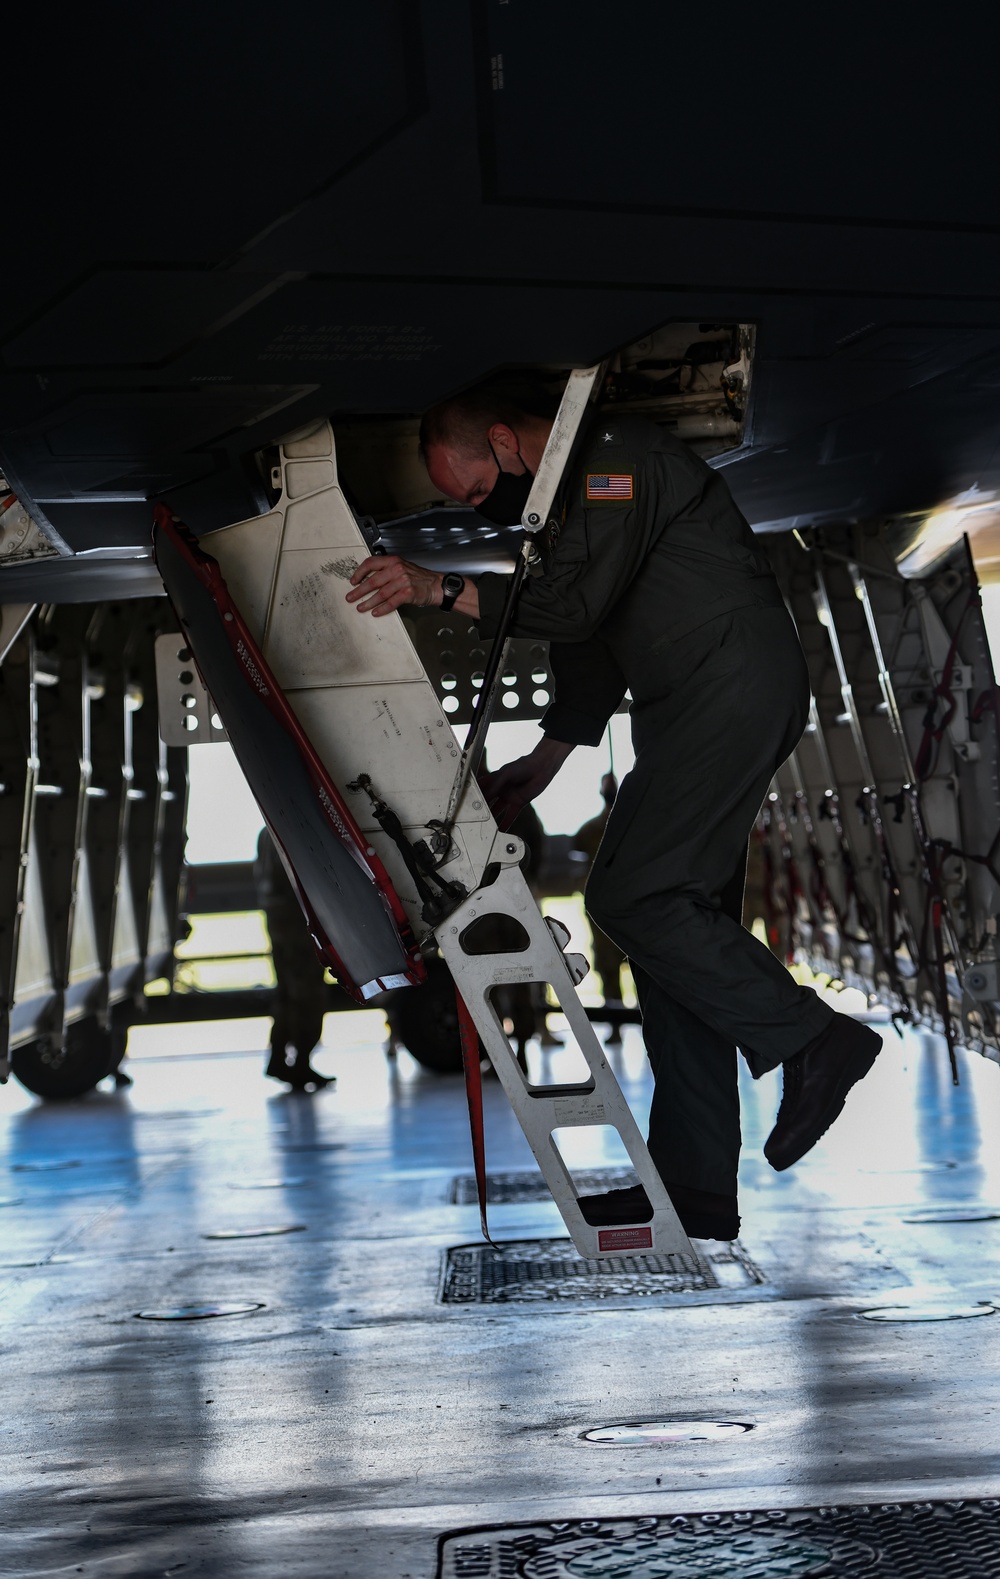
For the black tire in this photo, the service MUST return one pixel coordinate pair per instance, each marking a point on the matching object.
(425, 1020)
(59, 1075)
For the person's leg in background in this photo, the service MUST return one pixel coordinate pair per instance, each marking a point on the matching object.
(609, 962)
(300, 994)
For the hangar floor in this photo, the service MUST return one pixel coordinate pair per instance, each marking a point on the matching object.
(350, 1422)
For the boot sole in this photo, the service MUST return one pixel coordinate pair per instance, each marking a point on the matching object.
(854, 1072)
(697, 1225)
(705, 1228)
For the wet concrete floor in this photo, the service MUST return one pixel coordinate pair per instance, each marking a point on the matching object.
(352, 1419)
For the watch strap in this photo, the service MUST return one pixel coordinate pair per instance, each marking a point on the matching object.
(448, 598)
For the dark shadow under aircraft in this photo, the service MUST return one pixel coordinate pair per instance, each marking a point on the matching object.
(780, 237)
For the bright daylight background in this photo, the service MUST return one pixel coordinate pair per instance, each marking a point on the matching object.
(223, 820)
(233, 951)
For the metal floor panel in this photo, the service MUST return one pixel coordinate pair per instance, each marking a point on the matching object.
(923, 1540)
(347, 1426)
(540, 1270)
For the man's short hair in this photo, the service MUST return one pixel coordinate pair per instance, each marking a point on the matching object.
(463, 421)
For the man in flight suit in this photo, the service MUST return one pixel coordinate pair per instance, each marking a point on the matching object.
(654, 584)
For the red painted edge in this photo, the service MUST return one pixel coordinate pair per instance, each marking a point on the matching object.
(338, 813)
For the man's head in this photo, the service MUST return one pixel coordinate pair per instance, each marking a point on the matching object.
(502, 423)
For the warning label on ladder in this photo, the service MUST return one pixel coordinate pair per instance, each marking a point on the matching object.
(625, 1239)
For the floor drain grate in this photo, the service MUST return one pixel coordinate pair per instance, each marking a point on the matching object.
(666, 1433)
(923, 1540)
(201, 1312)
(56, 1166)
(513, 1189)
(928, 1310)
(257, 1233)
(955, 1214)
(537, 1270)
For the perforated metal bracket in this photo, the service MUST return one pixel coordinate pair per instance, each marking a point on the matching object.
(187, 713)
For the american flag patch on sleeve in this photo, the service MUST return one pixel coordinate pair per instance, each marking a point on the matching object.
(610, 486)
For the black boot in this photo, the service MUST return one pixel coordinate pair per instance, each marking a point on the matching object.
(302, 1075)
(703, 1214)
(816, 1082)
(278, 1067)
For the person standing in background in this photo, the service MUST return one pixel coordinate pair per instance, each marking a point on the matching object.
(609, 961)
(300, 988)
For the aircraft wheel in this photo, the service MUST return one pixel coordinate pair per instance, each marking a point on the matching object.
(59, 1074)
(425, 1020)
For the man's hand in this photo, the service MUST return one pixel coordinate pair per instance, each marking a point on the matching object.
(386, 582)
(511, 787)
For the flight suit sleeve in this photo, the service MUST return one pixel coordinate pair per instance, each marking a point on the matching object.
(589, 687)
(601, 546)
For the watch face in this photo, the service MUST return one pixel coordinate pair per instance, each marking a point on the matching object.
(452, 584)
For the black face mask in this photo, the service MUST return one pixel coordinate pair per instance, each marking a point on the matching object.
(505, 502)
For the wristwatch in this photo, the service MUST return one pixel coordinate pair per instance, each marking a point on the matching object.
(452, 585)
